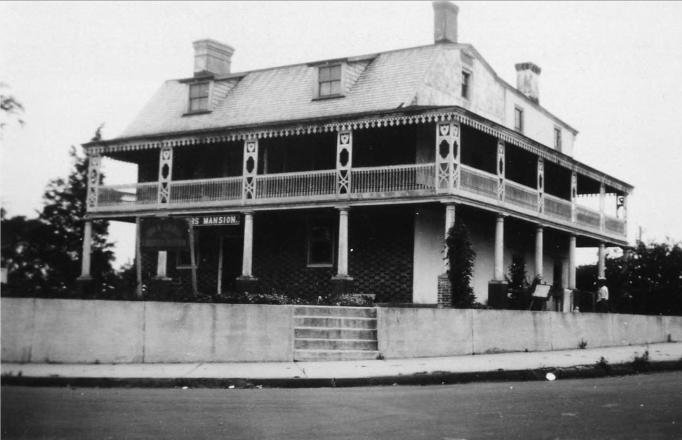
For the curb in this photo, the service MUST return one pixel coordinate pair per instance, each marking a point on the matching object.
(433, 378)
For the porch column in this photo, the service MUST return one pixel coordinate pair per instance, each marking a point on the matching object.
(247, 255)
(342, 266)
(344, 159)
(87, 249)
(500, 170)
(601, 265)
(574, 194)
(539, 256)
(250, 170)
(602, 206)
(165, 174)
(499, 249)
(94, 162)
(541, 185)
(447, 156)
(449, 223)
(568, 293)
(342, 281)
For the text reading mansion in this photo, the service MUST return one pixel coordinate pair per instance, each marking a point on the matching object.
(346, 173)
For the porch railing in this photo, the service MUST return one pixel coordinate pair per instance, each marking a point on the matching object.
(587, 217)
(302, 184)
(393, 178)
(206, 190)
(128, 194)
(557, 207)
(479, 182)
(614, 225)
(521, 195)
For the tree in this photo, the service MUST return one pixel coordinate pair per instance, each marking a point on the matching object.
(10, 107)
(46, 254)
(461, 257)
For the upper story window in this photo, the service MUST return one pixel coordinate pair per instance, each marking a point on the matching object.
(466, 83)
(329, 80)
(557, 138)
(198, 97)
(518, 119)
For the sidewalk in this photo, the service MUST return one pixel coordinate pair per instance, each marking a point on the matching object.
(487, 367)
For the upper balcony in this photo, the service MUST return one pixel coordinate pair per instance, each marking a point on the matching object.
(396, 163)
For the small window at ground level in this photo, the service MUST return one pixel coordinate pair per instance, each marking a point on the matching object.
(320, 244)
(466, 81)
(557, 138)
(329, 78)
(518, 119)
(198, 97)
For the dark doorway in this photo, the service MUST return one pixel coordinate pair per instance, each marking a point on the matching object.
(231, 256)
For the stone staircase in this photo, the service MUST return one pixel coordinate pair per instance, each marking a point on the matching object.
(335, 333)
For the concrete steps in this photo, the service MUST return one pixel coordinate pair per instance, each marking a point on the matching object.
(335, 333)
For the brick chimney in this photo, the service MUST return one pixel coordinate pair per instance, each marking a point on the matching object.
(445, 22)
(212, 57)
(527, 80)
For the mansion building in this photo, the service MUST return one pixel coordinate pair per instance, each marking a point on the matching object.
(347, 174)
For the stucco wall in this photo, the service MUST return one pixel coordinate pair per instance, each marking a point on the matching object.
(74, 331)
(449, 332)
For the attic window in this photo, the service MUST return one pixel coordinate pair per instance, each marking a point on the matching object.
(466, 82)
(198, 97)
(329, 80)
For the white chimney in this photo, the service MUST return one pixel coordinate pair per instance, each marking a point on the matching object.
(445, 22)
(527, 80)
(212, 57)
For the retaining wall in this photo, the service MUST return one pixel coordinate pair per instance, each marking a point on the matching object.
(75, 331)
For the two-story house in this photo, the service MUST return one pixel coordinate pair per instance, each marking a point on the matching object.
(347, 173)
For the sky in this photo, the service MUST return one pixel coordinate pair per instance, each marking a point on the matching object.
(610, 69)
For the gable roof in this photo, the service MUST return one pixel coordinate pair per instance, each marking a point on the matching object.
(379, 82)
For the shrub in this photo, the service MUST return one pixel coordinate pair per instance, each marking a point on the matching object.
(461, 256)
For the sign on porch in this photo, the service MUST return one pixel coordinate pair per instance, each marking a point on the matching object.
(163, 233)
(216, 220)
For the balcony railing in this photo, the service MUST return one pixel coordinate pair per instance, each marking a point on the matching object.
(479, 182)
(303, 184)
(587, 217)
(206, 190)
(366, 182)
(557, 207)
(135, 194)
(372, 180)
(614, 225)
(521, 195)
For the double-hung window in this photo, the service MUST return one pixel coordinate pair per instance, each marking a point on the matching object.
(198, 97)
(329, 80)
(518, 119)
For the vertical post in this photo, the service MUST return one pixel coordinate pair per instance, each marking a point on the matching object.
(94, 162)
(447, 156)
(247, 256)
(541, 185)
(499, 249)
(602, 205)
(192, 257)
(344, 159)
(500, 170)
(138, 256)
(574, 194)
(161, 264)
(165, 174)
(219, 281)
(444, 286)
(342, 266)
(539, 256)
(87, 249)
(250, 169)
(449, 223)
(568, 293)
(601, 265)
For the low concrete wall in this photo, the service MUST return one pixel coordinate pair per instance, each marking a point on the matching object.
(405, 332)
(74, 331)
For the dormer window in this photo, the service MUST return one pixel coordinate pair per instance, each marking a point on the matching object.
(198, 97)
(466, 83)
(329, 80)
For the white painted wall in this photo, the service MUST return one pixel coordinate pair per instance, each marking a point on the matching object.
(429, 246)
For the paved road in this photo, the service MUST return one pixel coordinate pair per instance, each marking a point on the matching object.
(631, 407)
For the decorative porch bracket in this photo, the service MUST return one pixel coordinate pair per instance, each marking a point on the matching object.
(500, 170)
(574, 194)
(447, 156)
(250, 169)
(344, 158)
(165, 174)
(94, 163)
(541, 185)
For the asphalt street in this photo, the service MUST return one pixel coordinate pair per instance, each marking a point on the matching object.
(647, 406)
